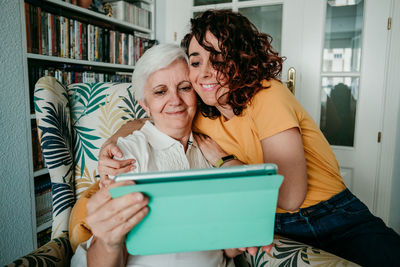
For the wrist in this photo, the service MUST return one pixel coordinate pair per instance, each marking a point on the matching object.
(109, 248)
(221, 161)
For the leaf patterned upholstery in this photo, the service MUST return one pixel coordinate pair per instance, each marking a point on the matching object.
(73, 122)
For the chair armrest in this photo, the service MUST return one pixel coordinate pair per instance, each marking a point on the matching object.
(288, 252)
(57, 252)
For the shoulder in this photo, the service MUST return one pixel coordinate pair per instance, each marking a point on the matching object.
(202, 124)
(272, 97)
(135, 137)
(272, 92)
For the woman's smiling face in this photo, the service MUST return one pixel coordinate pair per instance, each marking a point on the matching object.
(202, 74)
(169, 98)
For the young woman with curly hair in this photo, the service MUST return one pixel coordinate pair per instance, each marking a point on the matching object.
(246, 111)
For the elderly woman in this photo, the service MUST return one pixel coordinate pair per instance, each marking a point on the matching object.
(166, 143)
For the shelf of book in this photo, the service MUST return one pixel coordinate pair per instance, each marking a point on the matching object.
(100, 16)
(44, 226)
(79, 62)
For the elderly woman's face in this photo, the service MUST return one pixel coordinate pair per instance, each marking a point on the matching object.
(169, 98)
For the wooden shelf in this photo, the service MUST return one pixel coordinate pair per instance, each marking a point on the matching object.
(44, 226)
(99, 15)
(40, 172)
(79, 62)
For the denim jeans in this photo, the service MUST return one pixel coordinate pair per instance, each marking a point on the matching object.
(343, 226)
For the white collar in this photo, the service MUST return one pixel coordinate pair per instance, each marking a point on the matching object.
(160, 140)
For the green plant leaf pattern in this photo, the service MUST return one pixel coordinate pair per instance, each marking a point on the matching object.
(83, 146)
(85, 99)
(133, 109)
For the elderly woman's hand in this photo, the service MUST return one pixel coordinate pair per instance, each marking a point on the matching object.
(111, 219)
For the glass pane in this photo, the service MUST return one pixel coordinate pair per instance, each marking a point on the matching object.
(197, 14)
(343, 32)
(268, 19)
(210, 2)
(338, 109)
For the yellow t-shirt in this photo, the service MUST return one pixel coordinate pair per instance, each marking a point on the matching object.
(270, 112)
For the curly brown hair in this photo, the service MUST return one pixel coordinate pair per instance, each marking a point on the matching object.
(248, 57)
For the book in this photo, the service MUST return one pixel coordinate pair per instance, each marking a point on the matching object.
(39, 31)
(28, 27)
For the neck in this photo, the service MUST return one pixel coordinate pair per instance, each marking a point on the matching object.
(181, 135)
(226, 111)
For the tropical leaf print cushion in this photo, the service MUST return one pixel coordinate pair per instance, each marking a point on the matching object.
(98, 110)
(73, 123)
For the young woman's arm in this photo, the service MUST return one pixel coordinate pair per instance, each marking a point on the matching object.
(286, 150)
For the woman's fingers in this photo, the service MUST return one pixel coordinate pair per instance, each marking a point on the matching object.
(103, 196)
(120, 209)
(110, 149)
(115, 163)
(107, 165)
(268, 248)
(106, 171)
(232, 252)
(123, 228)
(117, 216)
(252, 250)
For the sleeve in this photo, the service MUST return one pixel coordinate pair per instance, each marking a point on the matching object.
(79, 258)
(135, 146)
(79, 231)
(274, 110)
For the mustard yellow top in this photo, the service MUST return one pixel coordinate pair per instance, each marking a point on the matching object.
(270, 112)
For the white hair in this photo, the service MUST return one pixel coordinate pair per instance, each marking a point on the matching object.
(154, 59)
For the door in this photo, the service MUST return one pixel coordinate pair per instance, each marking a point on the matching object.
(336, 51)
(341, 82)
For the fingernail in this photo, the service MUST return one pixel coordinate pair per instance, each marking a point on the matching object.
(139, 197)
(119, 155)
(133, 168)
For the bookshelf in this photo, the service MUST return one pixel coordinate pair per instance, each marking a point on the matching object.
(76, 44)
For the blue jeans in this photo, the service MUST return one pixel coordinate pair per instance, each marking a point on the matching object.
(343, 226)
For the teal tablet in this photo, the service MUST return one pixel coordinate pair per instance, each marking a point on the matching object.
(205, 209)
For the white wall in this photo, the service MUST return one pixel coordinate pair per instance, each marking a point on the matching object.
(16, 224)
(173, 16)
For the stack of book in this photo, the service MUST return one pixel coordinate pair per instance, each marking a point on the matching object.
(43, 199)
(53, 35)
(37, 156)
(135, 12)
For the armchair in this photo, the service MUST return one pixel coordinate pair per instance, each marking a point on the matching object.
(73, 123)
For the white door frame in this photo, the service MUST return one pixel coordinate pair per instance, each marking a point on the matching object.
(388, 169)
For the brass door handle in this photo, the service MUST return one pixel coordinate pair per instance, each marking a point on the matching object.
(291, 82)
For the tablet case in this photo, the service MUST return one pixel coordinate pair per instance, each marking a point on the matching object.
(205, 214)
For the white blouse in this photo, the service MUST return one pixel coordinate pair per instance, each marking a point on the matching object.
(156, 151)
